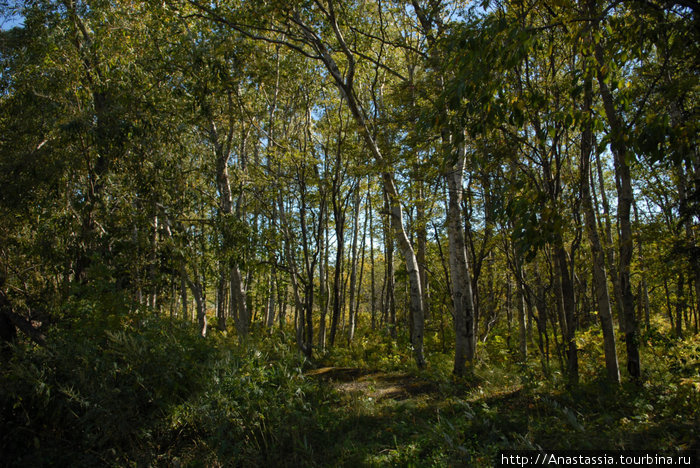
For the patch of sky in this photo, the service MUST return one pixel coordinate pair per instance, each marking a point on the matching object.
(10, 15)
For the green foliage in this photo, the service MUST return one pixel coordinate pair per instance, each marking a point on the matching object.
(535, 222)
(121, 121)
(139, 390)
(255, 409)
(94, 394)
(147, 390)
(500, 406)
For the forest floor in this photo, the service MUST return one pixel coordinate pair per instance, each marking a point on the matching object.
(374, 384)
(385, 417)
(153, 393)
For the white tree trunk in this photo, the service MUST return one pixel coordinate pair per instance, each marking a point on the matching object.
(459, 268)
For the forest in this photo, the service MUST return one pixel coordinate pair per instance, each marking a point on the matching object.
(347, 232)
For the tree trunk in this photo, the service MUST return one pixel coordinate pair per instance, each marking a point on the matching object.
(337, 273)
(643, 288)
(299, 304)
(422, 237)
(598, 255)
(608, 244)
(324, 291)
(373, 288)
(183, 297)
(353, 266)
(198, 293)
(221, 302)
(283, 293)
(309, 325)
(541, 320)
(222, 149)
(270, 313)
(522, 324)
(625, 199)
(152, 300)
(389, 303)
(696, 310)
(363, 243)
(567, 292)
(459, 268)
(680, 304)
(309, 265)
(238, 296)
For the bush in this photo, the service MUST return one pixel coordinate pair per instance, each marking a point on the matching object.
(147, 391)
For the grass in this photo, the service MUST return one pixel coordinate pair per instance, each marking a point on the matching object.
(149, 392)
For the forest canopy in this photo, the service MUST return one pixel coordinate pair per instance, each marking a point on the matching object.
(499, 186)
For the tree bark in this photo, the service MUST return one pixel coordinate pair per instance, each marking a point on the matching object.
(422, 237)
(238, 296)
(183, 297)
(352, 319)
(270, 307)
(608, 244)
(198, 294)
(459, 268)
(303, 344)
(373, 288)
(625, 199)
(522, 311)
(598, 255)
(567, 296)
(221, 303)
(389, 301)
(339, 218)
(324, 291)
(362, 269)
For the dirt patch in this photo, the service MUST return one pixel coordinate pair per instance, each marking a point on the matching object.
(338, 374)
(374, 384)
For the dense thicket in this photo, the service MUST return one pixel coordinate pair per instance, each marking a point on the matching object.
(452, 176)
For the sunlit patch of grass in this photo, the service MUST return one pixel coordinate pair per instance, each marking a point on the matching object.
(505, 404)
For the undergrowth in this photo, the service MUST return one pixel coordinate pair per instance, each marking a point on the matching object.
(150, 391)
(146, 391)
